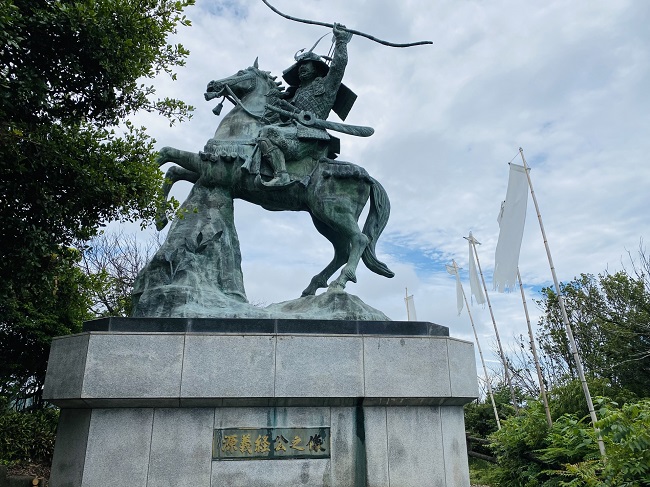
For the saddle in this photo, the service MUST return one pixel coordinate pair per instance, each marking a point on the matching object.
(299, 170)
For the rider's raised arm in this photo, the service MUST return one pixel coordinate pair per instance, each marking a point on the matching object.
(339, 59)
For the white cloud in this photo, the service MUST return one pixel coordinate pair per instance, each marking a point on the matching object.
(567, 81)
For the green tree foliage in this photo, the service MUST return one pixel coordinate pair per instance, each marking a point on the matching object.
(479, 415)
(610, 317)
(532, 454)
(27, 437)
(628, 448)
(71, 72)
(513, 445)
(569, 397)
(31, 317)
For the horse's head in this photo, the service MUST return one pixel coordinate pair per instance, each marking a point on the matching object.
(248, 90)
(242, 83)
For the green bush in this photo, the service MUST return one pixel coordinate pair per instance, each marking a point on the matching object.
(27, 437)
(479, 471)
(626, 432)
(531, 454)
(515, 445)
(571, 452)
(569, 397)
(479, 415)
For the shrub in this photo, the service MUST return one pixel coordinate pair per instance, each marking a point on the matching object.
(27, 437)
(515, 445)
(626, 432)
(530, 453)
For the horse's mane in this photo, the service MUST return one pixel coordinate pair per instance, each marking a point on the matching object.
(277, 89)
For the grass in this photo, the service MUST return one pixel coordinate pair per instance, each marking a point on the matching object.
(478, 472)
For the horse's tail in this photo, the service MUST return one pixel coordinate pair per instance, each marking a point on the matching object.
(375, 224)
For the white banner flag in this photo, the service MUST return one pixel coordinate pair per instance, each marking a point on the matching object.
(453, 270)
(474, 283)
(511, 221)
(410, 308)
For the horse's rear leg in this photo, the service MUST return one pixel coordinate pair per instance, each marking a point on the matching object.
(320, 280)
(340, 210)
(358, 242)
(341, 254)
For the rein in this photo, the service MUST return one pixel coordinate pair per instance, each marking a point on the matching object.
(237, 102)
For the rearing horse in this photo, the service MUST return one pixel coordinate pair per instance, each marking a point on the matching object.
(334, 193)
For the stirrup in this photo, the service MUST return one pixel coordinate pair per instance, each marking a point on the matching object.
(282, 179)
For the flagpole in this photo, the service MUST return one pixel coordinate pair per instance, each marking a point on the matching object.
(540, 377)
(478, 346)
(406, 302)
(473, 241)
(411, 315)
(565, 318)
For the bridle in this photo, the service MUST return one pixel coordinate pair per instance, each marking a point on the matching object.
(234, 99)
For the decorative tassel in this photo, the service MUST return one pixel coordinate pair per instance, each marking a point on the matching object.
(217, 110)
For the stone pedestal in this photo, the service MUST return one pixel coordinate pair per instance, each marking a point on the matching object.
(148, 402)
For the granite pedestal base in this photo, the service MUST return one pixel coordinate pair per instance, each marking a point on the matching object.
(144, 408)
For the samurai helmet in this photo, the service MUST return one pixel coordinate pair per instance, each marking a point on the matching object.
(290, 75)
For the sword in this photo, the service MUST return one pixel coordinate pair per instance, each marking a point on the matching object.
(308, 119)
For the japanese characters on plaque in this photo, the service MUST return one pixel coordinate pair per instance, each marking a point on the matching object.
(270, 443)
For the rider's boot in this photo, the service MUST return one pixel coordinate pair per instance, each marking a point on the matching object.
(275, 158)
(281, 179)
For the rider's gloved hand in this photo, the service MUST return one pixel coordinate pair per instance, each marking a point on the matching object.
(340, 34)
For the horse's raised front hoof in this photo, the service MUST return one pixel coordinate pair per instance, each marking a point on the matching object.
(161, 223)
(163, 156)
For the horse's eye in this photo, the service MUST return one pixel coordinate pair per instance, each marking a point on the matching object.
(241, 73)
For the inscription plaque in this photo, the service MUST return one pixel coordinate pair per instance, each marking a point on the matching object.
(270, 443)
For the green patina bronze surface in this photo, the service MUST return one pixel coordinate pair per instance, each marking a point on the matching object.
(272, 150)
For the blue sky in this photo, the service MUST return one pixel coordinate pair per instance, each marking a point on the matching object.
(567, 81)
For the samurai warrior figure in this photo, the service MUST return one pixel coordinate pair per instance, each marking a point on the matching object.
(314, 90)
